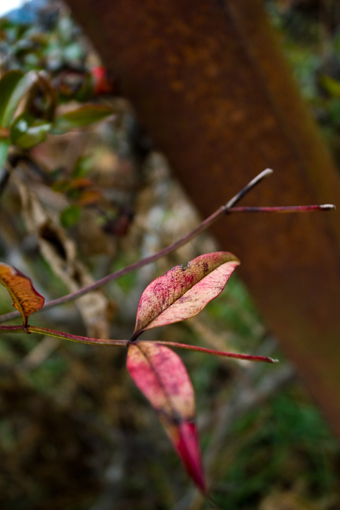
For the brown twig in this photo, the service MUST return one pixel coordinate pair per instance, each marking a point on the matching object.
(225, 209)
(148, 260)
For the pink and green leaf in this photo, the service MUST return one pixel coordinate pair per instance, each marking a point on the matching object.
(183, 292)
(25, 298)
(161, 376)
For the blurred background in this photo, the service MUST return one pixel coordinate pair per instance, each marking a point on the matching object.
(75, 434)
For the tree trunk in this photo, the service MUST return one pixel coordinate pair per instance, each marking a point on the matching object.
(209, 83)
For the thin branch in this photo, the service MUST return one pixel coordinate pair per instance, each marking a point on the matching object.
(284, 209)
(76, 338)
(225, 209)
(235, 355)
(124, 343)
(254, 182)
(13, 329)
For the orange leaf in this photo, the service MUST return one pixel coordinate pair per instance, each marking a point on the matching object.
(183, 292)
(89, 197)
(81, 182)
(25, 298)
(161, 376)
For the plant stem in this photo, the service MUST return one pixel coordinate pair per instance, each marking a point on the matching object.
(225, 209)
(13, 329)
(254, 182)
(284, 209)
(125, 343)
(248, 357)
(75, 338)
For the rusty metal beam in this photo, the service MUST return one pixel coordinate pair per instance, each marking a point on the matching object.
(209, 83)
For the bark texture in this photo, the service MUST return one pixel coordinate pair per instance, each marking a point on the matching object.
(208, 81)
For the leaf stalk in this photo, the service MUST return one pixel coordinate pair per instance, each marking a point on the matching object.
(76, 338)
(234, 355)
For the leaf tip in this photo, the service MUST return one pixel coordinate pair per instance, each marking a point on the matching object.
(188, 450)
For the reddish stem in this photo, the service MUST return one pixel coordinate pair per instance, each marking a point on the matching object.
(162, 253)
(76, 338)
(225, 209)
(125, 343)
(284, 209)
(248, 357)
(12, 328)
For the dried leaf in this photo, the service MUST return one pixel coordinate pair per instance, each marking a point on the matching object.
(184, 292)
(161, 376)
(60, 252)
(25, 298)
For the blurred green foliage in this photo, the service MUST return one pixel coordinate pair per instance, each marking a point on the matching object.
(290, 441)
(310, 35)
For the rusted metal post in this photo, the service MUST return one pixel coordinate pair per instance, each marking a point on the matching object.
(209, 83)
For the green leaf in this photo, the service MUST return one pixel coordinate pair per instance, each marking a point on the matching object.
(81, 117)
(70, 216)
(330, 85)
(8, 82)
(15, 93)
(4, 146)
(26, 131)
(82, 167)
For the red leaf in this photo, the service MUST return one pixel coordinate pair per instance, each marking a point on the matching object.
(161, 376)
(25, 298)
(103, 83)
(184, 292)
